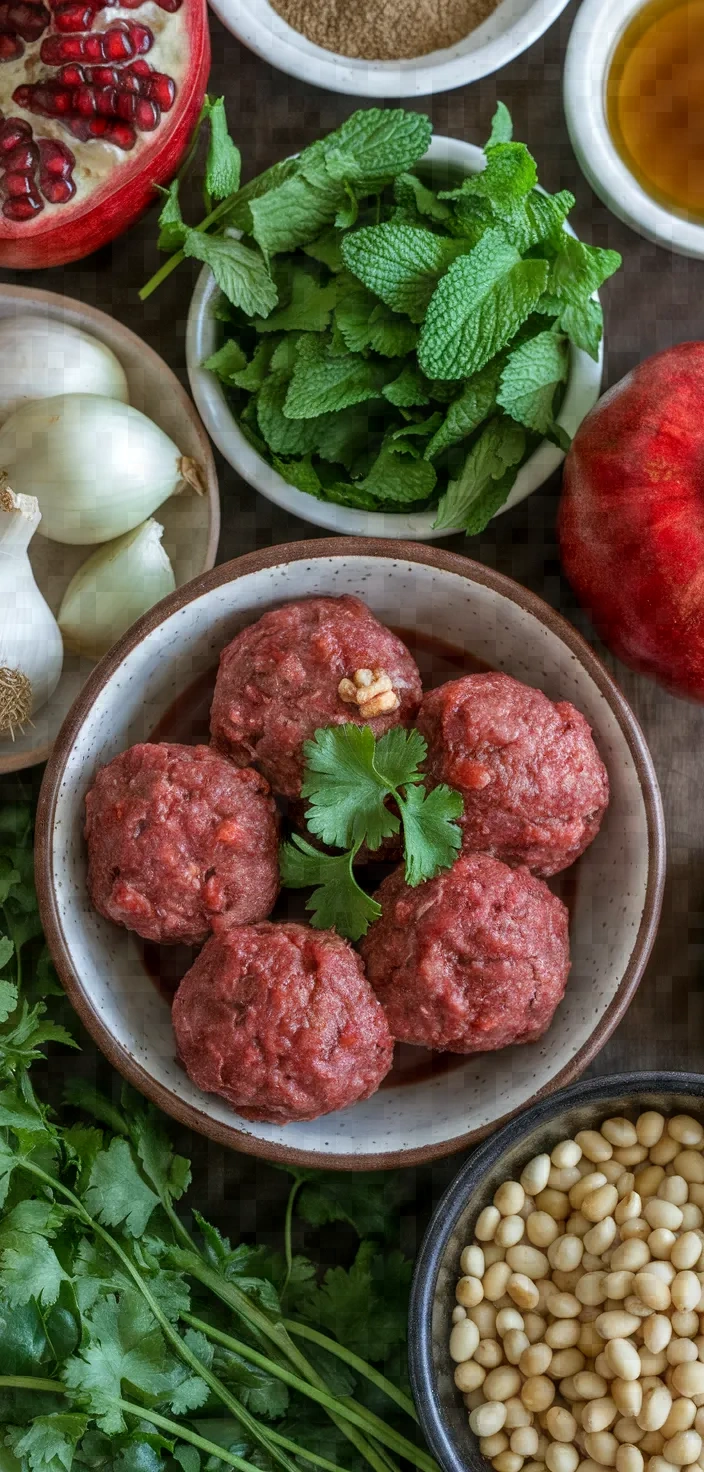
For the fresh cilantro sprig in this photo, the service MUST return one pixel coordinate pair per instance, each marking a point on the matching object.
(389, 343)
(350, 777)
(128, 1341)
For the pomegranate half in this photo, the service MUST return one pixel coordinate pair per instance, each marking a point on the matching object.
(97, 106)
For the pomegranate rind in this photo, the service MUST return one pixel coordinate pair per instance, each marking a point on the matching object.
(58, 237)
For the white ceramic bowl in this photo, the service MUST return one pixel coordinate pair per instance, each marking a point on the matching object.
(446, 155)
(617, 883)
(513, 26)
(191, 523)
(595, 35)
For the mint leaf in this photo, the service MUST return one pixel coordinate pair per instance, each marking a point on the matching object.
(253, 375)
(337, 902)
(409, 390)
(584, 324)
(501, 126)
(223, 164)
(374, 145)
(172, 228)
(239, 271)
(432, 839)
(309, 307)
(49, 1444)
(530, 379)
(478, 307)
(295, 212)
(540, 219)
(411, 194)
(365, 323)
(400, 263)
(283, 435)
(227, 361)
(485, 480)
(345, 792)
(117, 1194)
(395, 478)
(327, 249)
(344, 437)
(474, 405)
(299, 473)
(580, 269)
(323, 382)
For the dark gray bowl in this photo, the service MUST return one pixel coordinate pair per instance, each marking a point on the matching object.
(442, 1413)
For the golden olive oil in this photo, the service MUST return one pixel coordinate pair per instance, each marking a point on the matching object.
(655, 103)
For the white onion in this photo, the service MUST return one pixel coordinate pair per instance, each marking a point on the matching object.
(40, 357)
(97, 467)
(31, 652)
(113, 588)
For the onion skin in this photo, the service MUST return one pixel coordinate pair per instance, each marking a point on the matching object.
(70, 232)
(631, 520)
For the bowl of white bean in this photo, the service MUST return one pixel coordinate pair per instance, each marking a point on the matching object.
(557, 1311)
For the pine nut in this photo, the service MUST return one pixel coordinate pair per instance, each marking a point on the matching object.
(509, 1231)
(652, 1291)
(629, 1459)
(686, 1290)
(623, 1358)
(516, 1414)
(515, 1342)
(527, 1260)
(600, 1237)
(600, 1414)
(688, 1379)
(487, 1222)
(488, 1353)
(657, 1404)
(568, 1153)
(538, 1393)
(507, 1319)
(673, 1188)
(649, 1127)
(469, 1375)
(523, 1291)
(683, 1449)
(560, 1457)
(541, 1229)
(602, 1446)
(657, 1332)
(507, 1462)
(628, 1395)
(491, 1446)
(534, 1177)
(686, 1251)
(488, 1419)
(463, 1341)
(616, 1324)
(524, 1440)
(495, 1281)
(690, 1165)
(619, 1132)
(686, 1130)
(509, 1198)
(594, 1145)
(600, 1203)
(560, 1424)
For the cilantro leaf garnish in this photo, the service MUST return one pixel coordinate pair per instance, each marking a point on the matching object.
(350, 780)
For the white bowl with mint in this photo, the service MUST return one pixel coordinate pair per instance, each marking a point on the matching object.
(398, 334)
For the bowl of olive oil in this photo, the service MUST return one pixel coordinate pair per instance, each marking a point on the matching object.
(634, 101)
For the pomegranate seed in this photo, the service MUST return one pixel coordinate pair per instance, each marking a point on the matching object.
(15, 130)
(74, 15)
(162, 90)
(140, 69)
(126, 106)
(57, 161)
(72, 76)
(128, 83)
(116, 46)
(10, 48)
(106, 101)
(80, 129)
(84, 101)
(23, 18)
(17, 186)
(141, 37)
(57, 49)
(22, 209)
(57, 191)
(103, 76)
(147, 115)
(121, 134)
(23, 159)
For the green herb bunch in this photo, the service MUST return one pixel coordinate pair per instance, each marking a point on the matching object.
(133, 1336)
(390, 345)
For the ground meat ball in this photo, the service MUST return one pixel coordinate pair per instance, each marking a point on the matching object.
(281, 1021)
(534, 786)
(470, 961)
(180, 841)
(278, 682)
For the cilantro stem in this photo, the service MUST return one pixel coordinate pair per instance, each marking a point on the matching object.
(258, 1432)
(288, 1232)
(237, 1300)
(183, 1433)
(31, 1382)
(359, 1415)
(303, 1331)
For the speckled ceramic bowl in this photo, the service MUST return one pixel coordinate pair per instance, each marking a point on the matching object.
(615, 888)
(539, 1128)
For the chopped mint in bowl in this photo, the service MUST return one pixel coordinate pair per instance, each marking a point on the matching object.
(395, 334)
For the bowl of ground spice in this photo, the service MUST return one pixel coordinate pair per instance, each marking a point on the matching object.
(388, 48)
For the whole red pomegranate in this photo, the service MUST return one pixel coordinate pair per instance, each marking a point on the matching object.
(97, 105)
(631, 521)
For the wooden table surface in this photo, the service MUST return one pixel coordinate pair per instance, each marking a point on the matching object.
(656, 300)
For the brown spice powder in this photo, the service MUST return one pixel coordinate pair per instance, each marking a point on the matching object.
(384, 30)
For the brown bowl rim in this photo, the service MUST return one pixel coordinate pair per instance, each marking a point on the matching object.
(330, 548)
(93, 315)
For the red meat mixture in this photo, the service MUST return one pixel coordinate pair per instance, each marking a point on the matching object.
(534, 786)
(470, 961)
(279, 681)
(280, 1020)
(179, 841)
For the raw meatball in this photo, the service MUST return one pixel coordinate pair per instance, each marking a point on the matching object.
(470, 961)
(282, 1022)
(534, 786)
(279, 680)
(180, 841)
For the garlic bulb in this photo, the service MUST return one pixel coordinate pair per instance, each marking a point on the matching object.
(41, 357)
(97, 467)
(116, 585)
(31, 653)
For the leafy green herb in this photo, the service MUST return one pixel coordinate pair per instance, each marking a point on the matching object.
(383, 296)
(350, 777)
